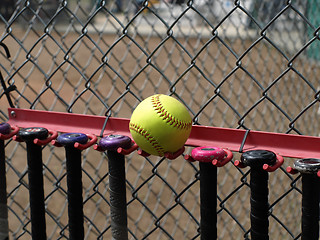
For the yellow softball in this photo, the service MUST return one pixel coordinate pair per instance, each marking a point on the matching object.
(160, 124)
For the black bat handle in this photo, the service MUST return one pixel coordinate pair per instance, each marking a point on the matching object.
(309, 169)
(259, 204)
(208, 201)
(4, 228)
(118, 202)
(259, 191)
(117, 183)
(35, 176)
(209, 158)
(310, 207)
(75, 199)
(36, 192)
(74, 182)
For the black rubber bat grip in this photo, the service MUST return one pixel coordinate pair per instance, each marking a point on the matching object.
(208, 201)
(259, 204)
(36, 192)
(75, 199)
(4, 228)
(118, 202)
(310, 207)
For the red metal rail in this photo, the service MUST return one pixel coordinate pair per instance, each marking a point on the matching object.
(287, 145)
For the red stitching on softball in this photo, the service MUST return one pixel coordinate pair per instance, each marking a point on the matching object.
(148, 136)
(157, 105)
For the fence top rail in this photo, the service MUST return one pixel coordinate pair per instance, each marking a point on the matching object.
(287, 145)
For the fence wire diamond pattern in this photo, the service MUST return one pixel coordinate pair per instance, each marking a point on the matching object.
(234, 64)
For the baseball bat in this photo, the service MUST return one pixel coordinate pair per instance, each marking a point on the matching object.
(259, 213)
(309, 169)
(74, 182)
(209, 159)
(4, 227)
(310, 207)
(117, 183)
(75, 199)
(35, 177)
(6, 132)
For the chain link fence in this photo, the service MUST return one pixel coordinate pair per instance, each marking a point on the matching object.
(237, 64)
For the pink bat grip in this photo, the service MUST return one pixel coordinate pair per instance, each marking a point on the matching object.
(208, 154)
